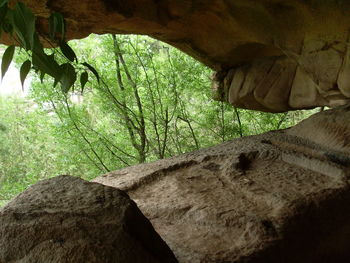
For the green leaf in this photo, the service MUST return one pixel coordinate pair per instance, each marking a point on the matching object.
(67, 51)
(47, 64)
(6, 60)
(84, 77)
(68, 77)
(52, 27)
(93, 70)
(7, 27)
(43, 62)
(3, 18)
(55, 83)
(23, 22)
(57, 25)
(42, 75)
(3, 12)
(3, 2)
(24, 70)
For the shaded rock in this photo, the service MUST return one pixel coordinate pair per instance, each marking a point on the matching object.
(329, 129)
(66, 219)
(280, 197)
(271, 55)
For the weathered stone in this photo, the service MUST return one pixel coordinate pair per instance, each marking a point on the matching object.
(66, 219)
(330, 129)
(278, 197)
(307, 40)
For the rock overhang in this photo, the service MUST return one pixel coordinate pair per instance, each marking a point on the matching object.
(270, 55)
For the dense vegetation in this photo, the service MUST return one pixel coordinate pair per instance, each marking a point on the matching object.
(151, 102)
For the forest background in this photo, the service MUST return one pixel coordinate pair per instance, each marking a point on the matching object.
(152, 102)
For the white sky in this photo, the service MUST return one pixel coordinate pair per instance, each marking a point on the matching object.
(11, 84)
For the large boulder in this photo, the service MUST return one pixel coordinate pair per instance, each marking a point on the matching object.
(280, 197)
(271, 55)
(66, 219)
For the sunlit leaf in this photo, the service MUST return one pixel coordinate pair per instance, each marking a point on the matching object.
(93, 70)
(24, 70)
(67, 51)
(68, 77)
(6, 60)
(84, 77)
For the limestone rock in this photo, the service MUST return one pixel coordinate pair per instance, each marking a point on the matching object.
(66, 219)
(307, 41)
(280, 197)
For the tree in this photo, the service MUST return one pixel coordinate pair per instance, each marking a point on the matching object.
(147, 101)
(151, 102)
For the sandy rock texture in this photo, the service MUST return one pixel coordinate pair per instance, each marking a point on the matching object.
(66, 219)
(280, 197)
(270, 55)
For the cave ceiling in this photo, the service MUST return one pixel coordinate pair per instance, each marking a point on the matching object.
(269, 55)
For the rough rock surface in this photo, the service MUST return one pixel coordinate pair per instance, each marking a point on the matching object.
(66, 219)
(271, 55)
(280, 197)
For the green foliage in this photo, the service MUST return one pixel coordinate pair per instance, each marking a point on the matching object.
(32, 148)
(149, 102)
(68, 77)
(3, 2)
(84, 77)
(24, 70)
(68, 52)
(93, 70)
(6, 60)
(57, 26)
(19, 22)
(23, 23)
